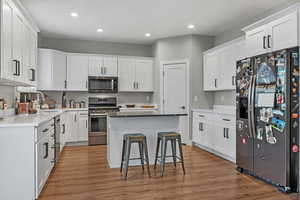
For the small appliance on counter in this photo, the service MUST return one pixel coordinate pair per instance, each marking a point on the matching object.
(98, 110)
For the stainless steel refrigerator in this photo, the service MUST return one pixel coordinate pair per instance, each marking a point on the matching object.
(267, 102)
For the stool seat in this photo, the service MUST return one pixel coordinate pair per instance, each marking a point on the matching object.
(129, 139)
(168, 134)
(163, 138)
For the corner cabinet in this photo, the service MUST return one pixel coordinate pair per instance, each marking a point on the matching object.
(77, 72)
(281, 33)
(219, 65)
(135, 74)
(215, 133)
(18, 47)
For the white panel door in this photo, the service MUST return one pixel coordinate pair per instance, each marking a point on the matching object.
(59, 71)
(144, 75)
(283, 33)
(82, 128)
(110, 66)
(77, 72)
(95, 66)
(256, 41)
(175, 88)
(210, 71)
(126, 72)
(7, 65)
(73, 127)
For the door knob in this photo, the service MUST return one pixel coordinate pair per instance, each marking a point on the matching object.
(183, 107)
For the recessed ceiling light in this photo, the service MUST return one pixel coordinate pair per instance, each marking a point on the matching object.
(99, 30)
(147, 34)
(191, 26)
(74, 14)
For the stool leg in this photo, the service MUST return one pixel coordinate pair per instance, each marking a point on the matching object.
(157, 151)
(141, 153)
(147, 156)
(173, 143)
(127, 156)
(181, 154)
(123, 152)
(163, 156)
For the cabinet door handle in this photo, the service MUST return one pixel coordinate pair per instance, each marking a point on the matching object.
(16, 68)
(269, 37)
(227, 133)
(19, 68)
(65, 84)
(233, 80)
(201, 115)
(264, 42)
(32, 75)
(46, 144)
(215, 83)
(64, 128)
(224, 135)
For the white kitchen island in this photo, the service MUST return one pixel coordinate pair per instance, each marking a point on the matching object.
(147, 123)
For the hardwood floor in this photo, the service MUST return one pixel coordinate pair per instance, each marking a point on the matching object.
(83, 174)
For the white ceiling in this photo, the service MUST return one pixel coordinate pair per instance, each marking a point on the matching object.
(128, 20)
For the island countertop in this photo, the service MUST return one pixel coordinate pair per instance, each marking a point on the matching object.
(143, 114)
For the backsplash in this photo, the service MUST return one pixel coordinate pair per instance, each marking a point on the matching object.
(8, 93)
(224, 98)
(123, 98)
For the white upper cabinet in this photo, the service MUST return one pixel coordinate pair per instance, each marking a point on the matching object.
(283, 33)
(110, 66)
(18, 46)
(126, 74)
(95, 65)
(77, 72)
(278, 34)
(103, 66)
(135, 74)
(8, 68)
(210, 69)
(144, 74)
(219, 69)
(52, 70)
(256, 41)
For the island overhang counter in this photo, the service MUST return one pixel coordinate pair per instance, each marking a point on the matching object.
(147, 123)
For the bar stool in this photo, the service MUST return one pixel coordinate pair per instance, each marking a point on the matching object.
(129, 139)
(163, 138)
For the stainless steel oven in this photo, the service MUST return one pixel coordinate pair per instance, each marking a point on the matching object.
(99, 84)
(98, 110)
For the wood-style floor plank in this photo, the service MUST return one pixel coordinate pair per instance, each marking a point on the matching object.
(83, 174)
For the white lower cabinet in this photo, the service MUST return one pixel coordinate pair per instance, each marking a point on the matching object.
(215, 133)
(76, 126)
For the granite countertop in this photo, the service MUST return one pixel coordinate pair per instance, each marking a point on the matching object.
(142, 114)
(34, 120)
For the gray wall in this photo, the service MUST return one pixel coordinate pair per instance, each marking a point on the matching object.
(95, 47)
(184, 47)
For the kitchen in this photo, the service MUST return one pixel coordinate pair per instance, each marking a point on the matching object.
(76, 94)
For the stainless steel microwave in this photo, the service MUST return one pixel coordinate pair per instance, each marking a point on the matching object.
(100, 84)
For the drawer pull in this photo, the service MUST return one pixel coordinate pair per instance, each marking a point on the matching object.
(201, 115)
(45, 130)
(228, 120)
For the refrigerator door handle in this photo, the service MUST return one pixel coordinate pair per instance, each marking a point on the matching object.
(253, 107)
(250, 107)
